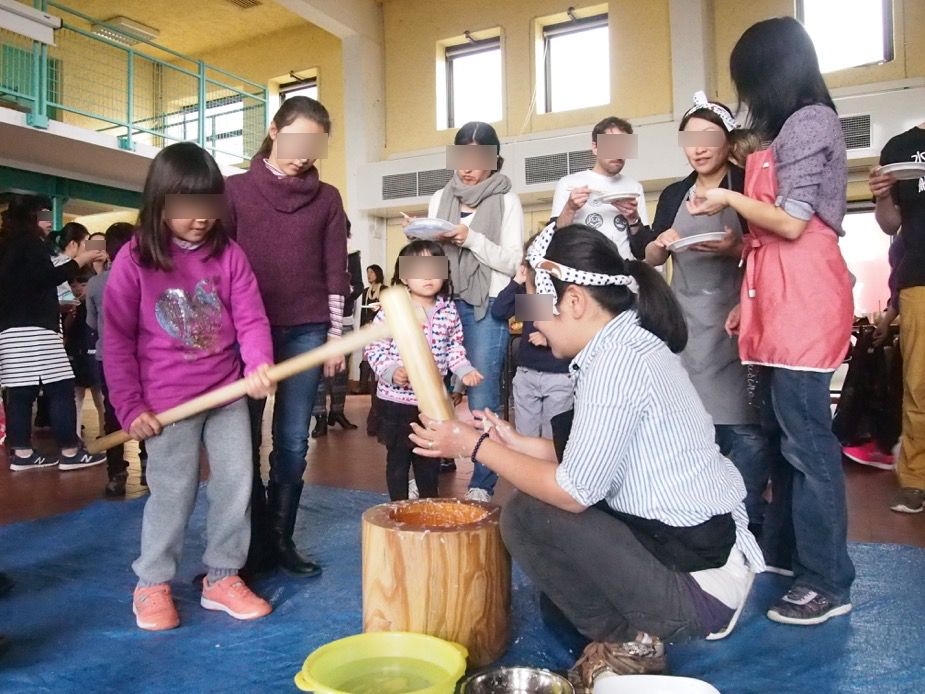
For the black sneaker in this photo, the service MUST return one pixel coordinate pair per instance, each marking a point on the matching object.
(81, 459)
(33, 462)
(803, 606)
(116, 485)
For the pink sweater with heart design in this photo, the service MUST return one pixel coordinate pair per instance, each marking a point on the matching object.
(171, 336)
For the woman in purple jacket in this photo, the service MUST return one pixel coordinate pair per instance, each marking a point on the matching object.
(293, 229)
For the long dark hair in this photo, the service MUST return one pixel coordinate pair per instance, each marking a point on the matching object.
(183, 167)
(296, 107)
(583, 248)
(423, 247)
(377, 271)
(478, 133)
(775, 71)
(72, 232)
(21, 215)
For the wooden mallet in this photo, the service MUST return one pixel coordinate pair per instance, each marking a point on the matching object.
(402, 324)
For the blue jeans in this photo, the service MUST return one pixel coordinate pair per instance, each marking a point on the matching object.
(62, 414)
(806, 525)
(485, 342)
(746, 445)
(295, 398)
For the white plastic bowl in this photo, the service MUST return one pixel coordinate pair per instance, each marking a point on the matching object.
(652, 684)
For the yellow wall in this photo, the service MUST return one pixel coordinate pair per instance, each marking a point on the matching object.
(268, 57)
(640, 64)
(99, 223)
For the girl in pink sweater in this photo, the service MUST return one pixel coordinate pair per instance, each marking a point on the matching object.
(182, 311)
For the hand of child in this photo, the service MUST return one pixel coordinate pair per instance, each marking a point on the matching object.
(473, 378)
(537, 338)
(400, 377)
(666, 238)
(732, 322)
(258, 383)
(144, 427)
(880, 185)
(333, 366)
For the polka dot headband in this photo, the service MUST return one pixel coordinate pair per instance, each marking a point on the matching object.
(701, 103)
(547, 269)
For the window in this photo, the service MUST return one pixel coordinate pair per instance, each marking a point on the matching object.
(848, 33)
(865, 250)
(473, 82)
(307, 87)
(577, 63)
(224, 136)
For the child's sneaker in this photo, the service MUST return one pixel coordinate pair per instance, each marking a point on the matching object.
(116, 485)
(232, 596)
(869, 454)
(153, 608)
(81, 459)
(33, 462)
(803, 606)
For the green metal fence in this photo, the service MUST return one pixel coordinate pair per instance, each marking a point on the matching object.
(141, 93)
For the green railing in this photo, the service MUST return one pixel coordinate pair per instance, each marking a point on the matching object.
(141, 94)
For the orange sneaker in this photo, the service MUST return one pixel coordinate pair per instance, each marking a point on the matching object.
(153, 608)
(231, 595)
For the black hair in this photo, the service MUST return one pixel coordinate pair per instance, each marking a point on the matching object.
(72, 232)
(183, 167)
(611, 122)
(583, 248)
(117, 235)
(479, 133)
(424, 247)
(775, 71)
(84, 275)
(377, 271)
(293, 108)
(21, 215)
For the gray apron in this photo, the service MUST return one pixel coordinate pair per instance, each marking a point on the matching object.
(706, 286)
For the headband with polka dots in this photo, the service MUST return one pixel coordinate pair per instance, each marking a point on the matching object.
(701, 103)
(547, 269)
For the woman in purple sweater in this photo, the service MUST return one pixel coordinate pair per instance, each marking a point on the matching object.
(293, 229)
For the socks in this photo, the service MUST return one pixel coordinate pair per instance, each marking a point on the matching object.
(142, 583)
(216, 575)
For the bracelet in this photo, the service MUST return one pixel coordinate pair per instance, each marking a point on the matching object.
(477, 446)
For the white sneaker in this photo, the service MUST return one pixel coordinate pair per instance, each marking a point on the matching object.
(477, 494)
(413, 492)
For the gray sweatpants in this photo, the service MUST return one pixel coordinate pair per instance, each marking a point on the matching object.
(173, 479)
(538, 397)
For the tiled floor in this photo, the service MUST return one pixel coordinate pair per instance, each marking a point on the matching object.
(352, 460)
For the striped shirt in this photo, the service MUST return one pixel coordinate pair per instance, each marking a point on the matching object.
(30, 356)
(642, 440)
(335, 301)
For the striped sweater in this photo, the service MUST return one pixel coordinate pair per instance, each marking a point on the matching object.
(444, 332)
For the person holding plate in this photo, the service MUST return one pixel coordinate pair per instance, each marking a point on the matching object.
(484, 249)
(706, 280)
(603, 198)
(898, 184)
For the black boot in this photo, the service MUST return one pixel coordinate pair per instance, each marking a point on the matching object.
(261, 556)
(284, 505)
(321, 427)
(339, 418)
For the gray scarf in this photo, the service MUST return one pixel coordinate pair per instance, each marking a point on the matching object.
(471, 278)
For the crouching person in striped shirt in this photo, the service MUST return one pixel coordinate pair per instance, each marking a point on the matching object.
(631, 522)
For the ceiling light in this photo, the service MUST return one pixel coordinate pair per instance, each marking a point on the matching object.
(125, 31)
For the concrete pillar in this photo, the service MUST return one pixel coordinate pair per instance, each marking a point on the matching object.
(692, 52)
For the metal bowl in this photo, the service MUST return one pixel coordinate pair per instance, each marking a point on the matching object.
(516, 680)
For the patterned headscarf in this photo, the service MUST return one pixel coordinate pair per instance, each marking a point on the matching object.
(547, 269)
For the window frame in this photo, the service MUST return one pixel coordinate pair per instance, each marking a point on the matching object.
(889, 43)
(294, 86)
(551, 31)
(464, 50)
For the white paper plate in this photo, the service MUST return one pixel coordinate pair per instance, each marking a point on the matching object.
(617, 197)
(652, 684)
(428, 228)
(904, 170)
(687, 242)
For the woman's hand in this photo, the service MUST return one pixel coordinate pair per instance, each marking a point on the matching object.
(880, 185)
(537, 338)
(473, 378)
(715, 201)
(84, 257)
(452, 439)
(258, 383)
(406, 221)
(144, 427)
(732, 321)
(724, 247)
(334, 366)
(400, 377)
(666, 238)
(458, 236)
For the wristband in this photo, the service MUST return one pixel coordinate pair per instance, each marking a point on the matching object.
(478, 445)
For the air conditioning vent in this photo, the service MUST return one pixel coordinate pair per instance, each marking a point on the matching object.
(429, 182)
(580, 161)
(546, 168)
(397, 186)
(856, 130)
(246, 4)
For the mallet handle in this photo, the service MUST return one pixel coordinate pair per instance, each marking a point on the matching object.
(226, 394)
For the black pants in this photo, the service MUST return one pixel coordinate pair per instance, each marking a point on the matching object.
(597, 573)
(426, 473)
(115, 456)
(62, 412)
